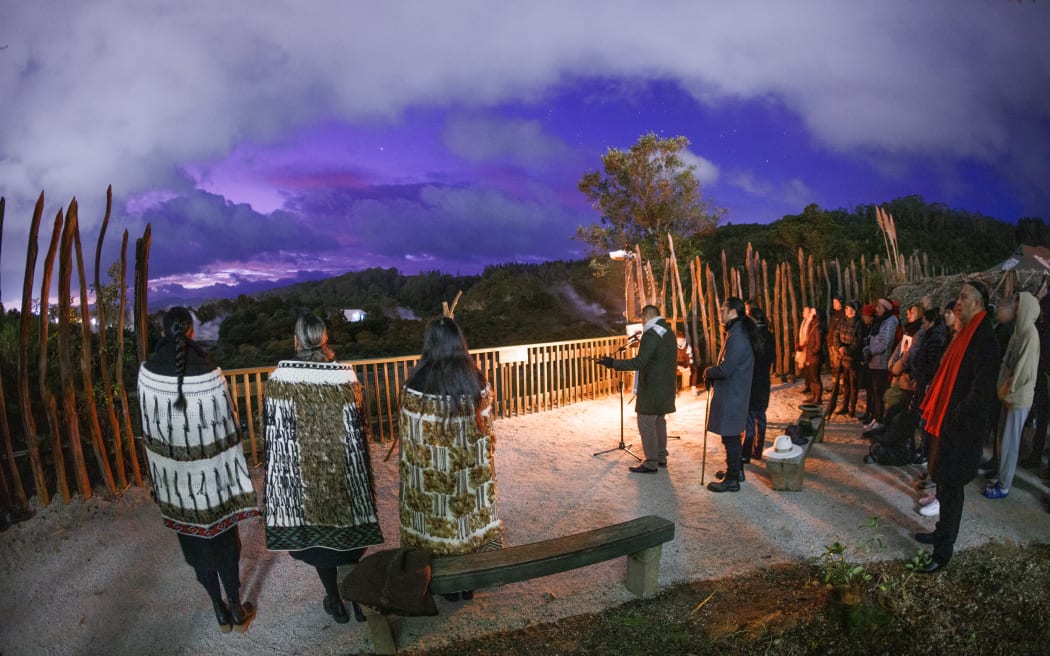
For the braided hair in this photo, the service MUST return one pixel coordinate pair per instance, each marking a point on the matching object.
(178, 327)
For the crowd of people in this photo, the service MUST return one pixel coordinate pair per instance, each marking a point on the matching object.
(936, 386)
(319, 500)
(932, 387)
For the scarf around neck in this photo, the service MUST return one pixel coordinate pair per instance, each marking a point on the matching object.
(935, 406)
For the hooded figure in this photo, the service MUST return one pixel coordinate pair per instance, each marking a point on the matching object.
(1016, 386)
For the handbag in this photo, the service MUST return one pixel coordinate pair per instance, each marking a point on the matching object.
(392, 581)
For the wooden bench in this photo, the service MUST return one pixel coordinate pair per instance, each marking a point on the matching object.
(639, 539)
(788, 475)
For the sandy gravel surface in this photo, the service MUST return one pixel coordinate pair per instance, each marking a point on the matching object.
(105, 577)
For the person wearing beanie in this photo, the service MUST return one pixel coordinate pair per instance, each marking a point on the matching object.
(880, 346)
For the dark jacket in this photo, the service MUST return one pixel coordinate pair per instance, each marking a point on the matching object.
(760, 381)
(926, 357)
(835, 319)
(656, 364)
(731, 381)
(955, 453)
(849, 338)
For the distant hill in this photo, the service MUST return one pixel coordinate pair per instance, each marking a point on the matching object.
(527, 303)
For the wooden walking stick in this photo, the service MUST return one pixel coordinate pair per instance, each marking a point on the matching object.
(834, 394)
(707, 414)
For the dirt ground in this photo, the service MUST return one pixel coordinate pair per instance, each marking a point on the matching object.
(105, 576)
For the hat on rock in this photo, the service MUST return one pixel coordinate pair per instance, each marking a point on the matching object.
(783, 449)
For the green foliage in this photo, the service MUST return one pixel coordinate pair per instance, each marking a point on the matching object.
(954, 239)
(644, 194)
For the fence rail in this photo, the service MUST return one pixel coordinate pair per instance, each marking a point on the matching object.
(525, 379)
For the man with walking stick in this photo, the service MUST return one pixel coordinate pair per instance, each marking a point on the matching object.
(656, 364)
(731, 383)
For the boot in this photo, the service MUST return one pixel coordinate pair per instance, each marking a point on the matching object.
(334, 606)
(359, 614)
(222, 615)
(242, 615)
(727, 484)
(721, 475)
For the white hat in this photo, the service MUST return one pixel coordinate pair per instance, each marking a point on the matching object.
(783, 449)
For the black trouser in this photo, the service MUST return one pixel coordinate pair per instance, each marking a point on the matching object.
(231, 580)
(848, 385)
(733, 455)
(951, 499)
(880, 379)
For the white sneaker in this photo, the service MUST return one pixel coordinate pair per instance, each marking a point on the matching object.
(931, 510)
(871, 424)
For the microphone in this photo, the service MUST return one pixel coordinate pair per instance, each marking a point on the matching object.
(632, 340)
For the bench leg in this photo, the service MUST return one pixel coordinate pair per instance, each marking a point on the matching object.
(382, 635)
(643, 571)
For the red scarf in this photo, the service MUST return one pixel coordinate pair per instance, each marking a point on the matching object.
(935, 405)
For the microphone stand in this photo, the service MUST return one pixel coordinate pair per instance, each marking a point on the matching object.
(621, 446)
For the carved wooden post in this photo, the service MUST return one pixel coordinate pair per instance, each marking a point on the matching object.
(50, 405)
(103, 348)
(141, 302)
(15, 488)
(121, 388)
(88, 385)
(65, 361)
(28, 424)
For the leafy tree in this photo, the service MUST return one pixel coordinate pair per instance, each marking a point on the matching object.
(644, 194)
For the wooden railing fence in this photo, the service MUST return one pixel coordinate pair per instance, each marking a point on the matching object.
(524, 379)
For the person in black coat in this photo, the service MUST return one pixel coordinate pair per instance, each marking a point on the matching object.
(730, 382)
(957, 409)
(760, 382)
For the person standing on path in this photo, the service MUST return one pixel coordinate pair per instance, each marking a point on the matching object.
(957, 409)
(1016, 385)
(448, 500)
(320, 491)
(197, 470)
(730, 380)
(656, 364)
(755, 430)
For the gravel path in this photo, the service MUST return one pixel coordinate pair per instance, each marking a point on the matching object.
(105, 577)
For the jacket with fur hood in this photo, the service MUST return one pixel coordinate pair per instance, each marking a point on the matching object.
(1020, 365)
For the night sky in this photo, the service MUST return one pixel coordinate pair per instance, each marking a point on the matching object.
(294, 140)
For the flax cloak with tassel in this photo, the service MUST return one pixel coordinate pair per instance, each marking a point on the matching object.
(320, 496)
(448, 475)
(197, 469)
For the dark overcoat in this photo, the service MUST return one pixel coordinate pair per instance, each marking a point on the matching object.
(760, 381)
(955, 454)
(656, 364)
(731, 382)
